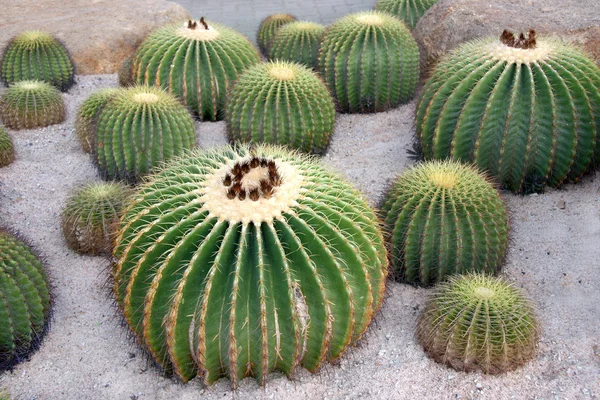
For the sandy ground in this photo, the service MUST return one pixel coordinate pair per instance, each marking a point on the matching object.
(554, 257)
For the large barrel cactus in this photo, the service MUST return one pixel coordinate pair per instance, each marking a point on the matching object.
(195, 61)
(37, 55)
(87, 114)
(137, 129)
(298, 42)
(281, 103)
(370, 61)
(268, 28)
(478, 323)
(24, 300)
(525, 110)
(409, 11)
(7, 149)
(31, 104)
(235, 262)
(444, 218)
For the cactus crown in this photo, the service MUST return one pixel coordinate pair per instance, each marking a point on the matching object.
(31, 104)
(7, 149)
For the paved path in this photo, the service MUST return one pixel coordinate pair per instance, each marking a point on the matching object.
(245, 15)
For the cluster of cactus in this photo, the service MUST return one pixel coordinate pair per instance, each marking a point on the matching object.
(268, 28)
(87, 114)
(196, 62)
(91, 215)
(281, 103)
(31, 104)
(298, 42)
(24, 300)
(409, 11)
(137, 129)
(37, 55)
(478, 323)
(523, 109)
(7, 149)
(235, 262)
(370, 61)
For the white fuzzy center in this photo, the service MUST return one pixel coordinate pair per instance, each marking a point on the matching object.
(199, 33)
(502, 52)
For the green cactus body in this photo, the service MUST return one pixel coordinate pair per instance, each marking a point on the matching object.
(528, 116)
(125, 76)
(195, 64)
(268, 28)
(24, 300)
(91, 216)
(370, 62)
(281, 103)
(298, 42)
(444, 218)
(31, 104)
(233, 263)
(137, 129)
(7, 149)
(87, 114)
(37, 55)
(478, 323)
(408, 11)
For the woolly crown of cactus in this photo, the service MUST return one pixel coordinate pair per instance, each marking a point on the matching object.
(268, 28)
(298, 42)
(31, 104)
(409, 11)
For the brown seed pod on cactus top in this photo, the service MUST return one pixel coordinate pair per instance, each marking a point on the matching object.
(268, 28)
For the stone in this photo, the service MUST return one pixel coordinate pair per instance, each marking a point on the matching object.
(99, 34)
(451, 22)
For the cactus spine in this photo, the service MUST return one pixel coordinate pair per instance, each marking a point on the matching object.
(298, 42)
(408, 11)
(7, 149)
(87, 114)
(268, 28)
(31, 104)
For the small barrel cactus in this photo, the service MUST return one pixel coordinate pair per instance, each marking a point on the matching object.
(24, 300)
(7, 149)
(91, 216)
(235, 262)
(137, 129)
(87, 114)
(526, 111)
(298, 42)
(478, 323)
(31, 104)
(196, 62)
(268, 28)
(281, 103)
(125, 75)
(444, 218)
(37, 55)
(370, 61)
(408, 11)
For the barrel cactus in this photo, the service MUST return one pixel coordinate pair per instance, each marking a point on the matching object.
(444, 218)
(124, 74)
(37, 55)
(86, 116)
(137, 129)
(298, 42)
(7, 149)
(407, 10)
(268, 28)
(196, 62)
(31, 104)
(478, 323)
(525, 110)
(91, 215)
(281, 103)
(24, 300)
(235, 262)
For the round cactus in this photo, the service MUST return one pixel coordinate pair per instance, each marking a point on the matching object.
(125, 76)
(268, 28)
(444, 218)
(86, 116)
(138, 128)
(196, 62)
(370, 61)
(407, 10)
(31, 104)
(526, 111)
(37, 55)
(91, 215)
(298, 42)
(281, 103)
(235, 262)
(7, 149)
(478, 323)
(24, 300)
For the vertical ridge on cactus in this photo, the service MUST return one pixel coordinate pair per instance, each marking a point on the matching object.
(235, 262)
(281, 103)
(268, 28)
(31, 104)
(7, 149)
(408, 11)
(525, 110)
(298, 42)
(194, 62)
(444, 218)
(370, 62)
(87, 114)
(37, 55)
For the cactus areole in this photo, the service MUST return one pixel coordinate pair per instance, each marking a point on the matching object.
(236, 262)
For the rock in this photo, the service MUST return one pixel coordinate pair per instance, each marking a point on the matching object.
(451, 22)
(99, 34)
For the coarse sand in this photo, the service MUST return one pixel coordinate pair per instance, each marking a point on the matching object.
(554, 256)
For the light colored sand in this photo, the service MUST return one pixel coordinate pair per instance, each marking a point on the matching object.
(554, 256)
